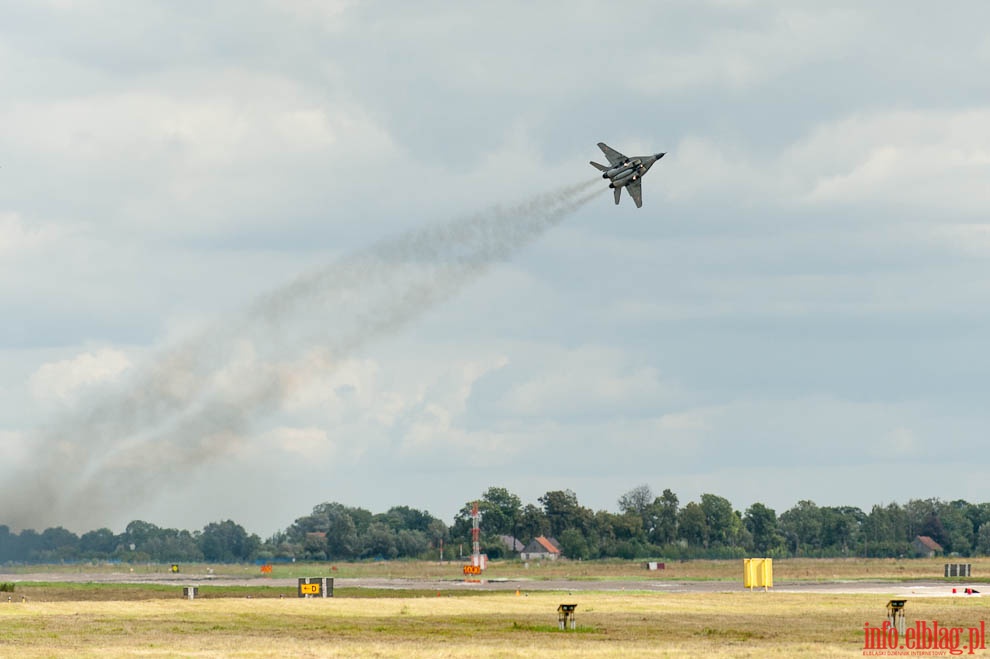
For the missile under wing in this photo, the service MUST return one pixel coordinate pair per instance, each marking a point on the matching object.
(626, 172)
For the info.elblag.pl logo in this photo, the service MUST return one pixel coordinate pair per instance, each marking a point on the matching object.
(923, 638)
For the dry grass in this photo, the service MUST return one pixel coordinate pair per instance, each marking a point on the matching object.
(66, 619)
(493, 625)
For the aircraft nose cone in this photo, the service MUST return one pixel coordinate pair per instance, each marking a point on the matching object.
(661, 155)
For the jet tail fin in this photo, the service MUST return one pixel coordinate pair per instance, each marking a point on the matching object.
(618, 192)
(601, 168)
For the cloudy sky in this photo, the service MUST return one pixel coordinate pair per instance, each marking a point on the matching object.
(800, 310)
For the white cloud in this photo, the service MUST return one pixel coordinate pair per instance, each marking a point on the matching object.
(415, 406)
(691, 421)
(13, 447)
(939, 159)
(199, 154)
(17, 236)
(740, 57)
(160, 169)
(327, 14)
(307, 129)
(309, 443)
(932, 159)
(63, 381)
(697, 167)
(197, 123)
(345, 391)
(812, 429)
(900, 442)
(589, 379)
(969, 238)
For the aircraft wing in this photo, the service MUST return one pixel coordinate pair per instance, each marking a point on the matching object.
(614, 157)
(636, 192)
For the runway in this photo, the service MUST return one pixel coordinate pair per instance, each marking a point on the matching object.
(894, 589)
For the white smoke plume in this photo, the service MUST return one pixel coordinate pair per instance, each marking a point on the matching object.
(191, 405)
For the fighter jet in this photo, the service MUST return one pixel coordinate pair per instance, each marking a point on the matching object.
(625, 172)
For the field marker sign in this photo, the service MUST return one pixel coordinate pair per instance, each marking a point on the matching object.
(315, 587)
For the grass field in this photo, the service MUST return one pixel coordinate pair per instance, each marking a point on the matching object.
(45, 619)
(490, 625)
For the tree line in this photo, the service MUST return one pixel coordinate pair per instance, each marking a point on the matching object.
(659, 526)
(644, 526)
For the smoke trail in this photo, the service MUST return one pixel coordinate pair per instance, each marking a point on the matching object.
(194, 403)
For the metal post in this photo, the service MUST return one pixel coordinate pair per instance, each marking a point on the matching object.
(895, 615)
(565, 617)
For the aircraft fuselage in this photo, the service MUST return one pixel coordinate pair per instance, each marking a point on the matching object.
(625, 172)
(615, 172)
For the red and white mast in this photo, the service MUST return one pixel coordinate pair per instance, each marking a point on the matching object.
(476, 537)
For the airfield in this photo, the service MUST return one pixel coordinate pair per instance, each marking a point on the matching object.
(418, 609)
(929, 588)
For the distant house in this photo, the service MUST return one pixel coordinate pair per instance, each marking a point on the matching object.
(922, 545)
(512, 544)
(541, 548)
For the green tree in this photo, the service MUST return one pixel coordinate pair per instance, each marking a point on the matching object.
(885, 531)
(603, 533)
(464, 522)
(8, 544)
(97, 544)
(841, 528)
(691, 525)
(332, 531)
(58, 544)
(314, 546)
(629, 527)
(917, 513)
(664, 513)
(722, 523)
(411, 543)
(573, 544)
(959, 534)
(563, 511)
(978, 514)
(761, 522)
(227, 542)
(533, 522)
(29, 543)
(932, 527)
(404, 517)
(983, 539)
(137, 534)
(501, 511)
(802, 526)
(362, 519)
(438, 534)
(342, 540)
(636, 500)
(174, 545)
(380, 542)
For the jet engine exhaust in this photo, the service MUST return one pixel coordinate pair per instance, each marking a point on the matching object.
(196, 402)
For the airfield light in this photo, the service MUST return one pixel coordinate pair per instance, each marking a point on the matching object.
(565, 616)
(895, 614)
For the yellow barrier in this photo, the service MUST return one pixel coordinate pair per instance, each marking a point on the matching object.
(758, 572)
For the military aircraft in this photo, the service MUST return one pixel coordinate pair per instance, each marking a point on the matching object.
(625, 172)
